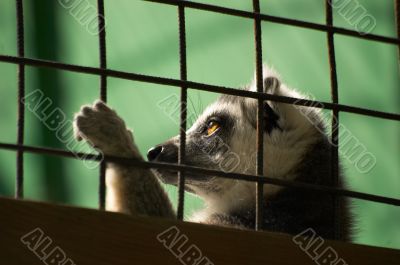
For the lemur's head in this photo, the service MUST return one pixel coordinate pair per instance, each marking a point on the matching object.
(224, 138)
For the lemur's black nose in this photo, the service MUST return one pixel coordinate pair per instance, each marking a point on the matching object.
(154, 152)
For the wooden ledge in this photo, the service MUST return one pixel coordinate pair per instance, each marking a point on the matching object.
(88, 236)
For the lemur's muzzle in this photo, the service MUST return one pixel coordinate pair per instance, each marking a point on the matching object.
(154, 152)
(163, 153)
(168, 153)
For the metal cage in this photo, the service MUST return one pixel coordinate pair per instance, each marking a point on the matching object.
(103, 72)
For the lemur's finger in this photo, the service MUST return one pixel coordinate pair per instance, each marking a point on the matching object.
(87, 110)
(77, 124)
(77, 133)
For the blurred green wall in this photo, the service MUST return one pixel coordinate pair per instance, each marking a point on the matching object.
(143, 38)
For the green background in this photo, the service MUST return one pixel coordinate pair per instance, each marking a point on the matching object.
(142, 37)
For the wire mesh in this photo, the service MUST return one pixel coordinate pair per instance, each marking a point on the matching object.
(103, 72)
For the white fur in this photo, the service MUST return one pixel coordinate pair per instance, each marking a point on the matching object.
(283, 151)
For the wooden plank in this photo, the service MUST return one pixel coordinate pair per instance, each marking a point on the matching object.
(94, 237)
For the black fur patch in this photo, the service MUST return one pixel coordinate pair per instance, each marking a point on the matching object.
(270, 119)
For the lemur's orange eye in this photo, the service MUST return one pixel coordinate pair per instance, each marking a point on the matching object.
(212, 127)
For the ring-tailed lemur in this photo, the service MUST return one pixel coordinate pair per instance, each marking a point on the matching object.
(295, 148)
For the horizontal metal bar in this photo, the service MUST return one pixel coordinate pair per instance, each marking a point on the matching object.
(198, 86)
(198, 170)
(281, 20)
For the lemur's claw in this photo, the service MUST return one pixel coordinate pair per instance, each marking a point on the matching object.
(101, 106)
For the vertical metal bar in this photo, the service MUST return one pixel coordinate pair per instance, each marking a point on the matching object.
(260, 116)
(103, 92)
(397, 13)
(19, 185)
(335, 120)
(182, 128)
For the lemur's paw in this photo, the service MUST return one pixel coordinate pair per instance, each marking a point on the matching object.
(102, 128)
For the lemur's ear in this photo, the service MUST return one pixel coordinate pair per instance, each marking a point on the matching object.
(271, 118)
(271, 85)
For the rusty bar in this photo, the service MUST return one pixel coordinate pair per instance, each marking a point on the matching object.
(335, 119)
(103, 92)
(182, 127)
(281, 20)
(204, 171)
(260, 116)
(199, 86)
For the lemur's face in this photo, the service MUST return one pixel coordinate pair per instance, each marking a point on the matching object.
(224, 138)
(210, 143)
